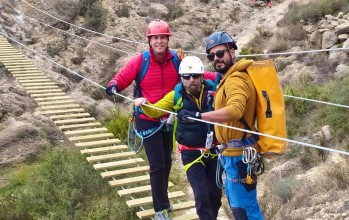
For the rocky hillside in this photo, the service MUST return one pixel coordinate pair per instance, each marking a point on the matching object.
(308, 193)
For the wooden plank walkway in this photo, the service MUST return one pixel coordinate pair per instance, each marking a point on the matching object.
(120, 167)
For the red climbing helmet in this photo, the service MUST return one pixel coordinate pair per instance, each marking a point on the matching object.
(158, 27)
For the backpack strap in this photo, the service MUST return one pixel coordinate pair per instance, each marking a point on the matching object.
(144, 66)
(175, 60)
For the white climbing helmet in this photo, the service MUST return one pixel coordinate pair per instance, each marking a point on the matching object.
(191, 65)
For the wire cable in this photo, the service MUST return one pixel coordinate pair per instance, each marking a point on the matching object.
(289, 96)
(89, 30)
(194, 52)
(195, 119)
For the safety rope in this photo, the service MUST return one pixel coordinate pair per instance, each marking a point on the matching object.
(288, 96)
(195, 119)
(85, 29)
(204, 154)
(193, 52)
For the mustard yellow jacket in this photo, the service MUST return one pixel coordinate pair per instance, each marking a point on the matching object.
(235, 93)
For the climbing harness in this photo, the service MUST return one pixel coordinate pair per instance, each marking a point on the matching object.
(135, 138)
(250, 157)
(205, 154)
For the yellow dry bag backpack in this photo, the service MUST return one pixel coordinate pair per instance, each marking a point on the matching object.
(270, 106)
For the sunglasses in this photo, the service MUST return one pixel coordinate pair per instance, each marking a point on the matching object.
(187, 76)
(219, 54)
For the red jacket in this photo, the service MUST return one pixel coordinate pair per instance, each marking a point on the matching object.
(159, 79)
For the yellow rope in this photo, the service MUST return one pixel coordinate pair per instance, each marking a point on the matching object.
(198, 160)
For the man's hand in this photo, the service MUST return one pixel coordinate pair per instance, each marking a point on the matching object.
(112, 89)
(139, 101)
(184, 114)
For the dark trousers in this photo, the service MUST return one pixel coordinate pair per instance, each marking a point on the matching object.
(158, 149)
(203, 182)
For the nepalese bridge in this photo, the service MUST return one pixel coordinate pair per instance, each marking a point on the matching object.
(116, 164)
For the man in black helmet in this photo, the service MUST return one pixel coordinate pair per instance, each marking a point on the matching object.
(235, 103)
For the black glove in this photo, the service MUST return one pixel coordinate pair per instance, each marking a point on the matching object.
(184, 114)
(110, 90)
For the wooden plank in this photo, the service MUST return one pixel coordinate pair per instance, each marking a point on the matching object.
(39, 76)
(14, 58)
(130, 191)
(48, 94)
(16, 62)
(78, 115)
(130, 180)
(26, 72)
(149, 199)
(91, 137)
(98, 143)
(86, 131)
(9, 56)
(101, 166)
(22, 65)
(22, 68)
(176, 207)
(56, 102)
(24, 81)
(50, 107)
(29, 75)
(74, 121)
(40, 85)
(52, 98)
(63, 111)
(192, 216)
(113, 173)
(104, 157)
(43, 87)
(77, 126)
(103, 150)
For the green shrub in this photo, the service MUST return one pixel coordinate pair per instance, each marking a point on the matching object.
(312, 11)
(174, 11)
(118, 125)
(61, 185)
(123, 11)
(285, 189)
(96, 17)
(86, 5)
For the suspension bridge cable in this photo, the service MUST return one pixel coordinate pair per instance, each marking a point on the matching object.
(85, 29)
(313, 100)
(47, 25)
(194, 52)
(289, 96)
(213, 123)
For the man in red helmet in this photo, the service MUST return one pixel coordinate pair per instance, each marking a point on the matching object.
(160, 78)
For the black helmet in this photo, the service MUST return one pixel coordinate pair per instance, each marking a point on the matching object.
(218, 38)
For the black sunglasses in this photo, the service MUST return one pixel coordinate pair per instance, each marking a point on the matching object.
(187, 76)
(219, 54)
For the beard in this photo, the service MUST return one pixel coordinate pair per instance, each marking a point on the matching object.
(225, 68)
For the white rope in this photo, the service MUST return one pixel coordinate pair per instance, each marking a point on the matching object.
(95, 42)
(214, 123)
(95, 32)
(313, 100)
(289, 96)
(194, 52)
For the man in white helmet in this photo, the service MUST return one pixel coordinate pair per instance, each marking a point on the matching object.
(198, 157)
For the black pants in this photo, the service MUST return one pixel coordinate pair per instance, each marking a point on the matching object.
(158, 148)
(203, 182)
